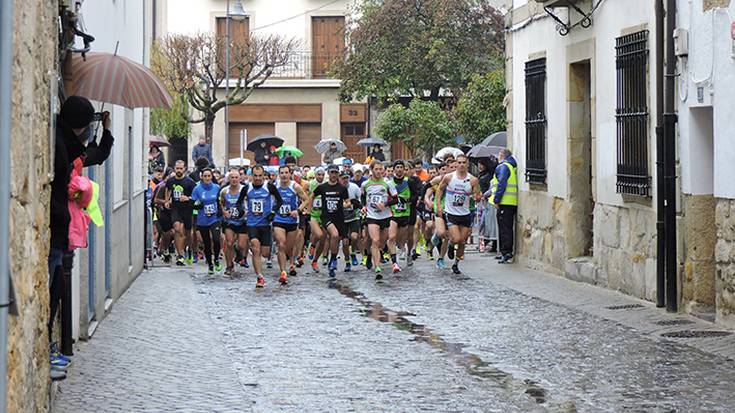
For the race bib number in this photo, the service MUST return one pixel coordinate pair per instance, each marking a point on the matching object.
(177, 194)
(284, 210)
(400, 206)
(332, 205)
(459, 200)
(317, 203)
(234, 213)
(256, 207)
(375, 200)
(210, 209)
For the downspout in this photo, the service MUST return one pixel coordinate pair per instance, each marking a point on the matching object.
(670, 119)
(6, 69)
(660, 189)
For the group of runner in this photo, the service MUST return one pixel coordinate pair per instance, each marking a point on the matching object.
(308, 213)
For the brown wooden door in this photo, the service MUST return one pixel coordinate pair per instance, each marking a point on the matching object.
(308, 135)
(254, 130)
(351, 133)
(327, 43)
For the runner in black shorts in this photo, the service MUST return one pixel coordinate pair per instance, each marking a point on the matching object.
(178, 193)
(352, 221)
(234, 223)
(334, 199)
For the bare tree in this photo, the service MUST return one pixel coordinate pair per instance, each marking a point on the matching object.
(194, 67)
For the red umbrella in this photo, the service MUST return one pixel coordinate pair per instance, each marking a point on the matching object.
(110, 78)
(158, 141)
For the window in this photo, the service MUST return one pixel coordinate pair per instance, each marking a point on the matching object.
(240, 32)
(631, 114)
(536, 121)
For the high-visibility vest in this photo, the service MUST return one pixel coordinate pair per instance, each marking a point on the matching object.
(510, 196)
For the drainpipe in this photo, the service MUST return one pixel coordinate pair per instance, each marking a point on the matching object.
(660, 189)
(6, 68)
(670, 119)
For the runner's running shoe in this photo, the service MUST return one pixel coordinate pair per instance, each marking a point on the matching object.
(210, 271)
(229, 271)
(333, 265)
(244, 263)
(450, 251)
(368, 262)
(324, 260)
(455, 268)
(260, 283)
(354, 260)
(58, 362)
(348, 267)
(195, 259)
(378, 274)
(217, 266)
(440, 263)
(54, 351)
(396, 267)
(283, 279)
(312, 251)
(365, 260)
(292, 271)
(180, 262)
(300, 262)
(315, 266)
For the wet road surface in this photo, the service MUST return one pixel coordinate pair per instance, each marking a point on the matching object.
(421, 341)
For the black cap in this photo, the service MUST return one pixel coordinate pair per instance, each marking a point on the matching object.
(332, 167)
(399, 162)
(77, 111)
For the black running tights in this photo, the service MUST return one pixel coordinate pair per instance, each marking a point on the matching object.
(211, 240)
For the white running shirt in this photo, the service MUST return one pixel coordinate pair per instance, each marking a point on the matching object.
(457, 195)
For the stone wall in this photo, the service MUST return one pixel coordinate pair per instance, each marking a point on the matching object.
(34, 56)
(699, 235)
(725, 261)
(624, 251)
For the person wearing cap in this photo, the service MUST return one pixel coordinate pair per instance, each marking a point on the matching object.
(334, 200)
(73, 149)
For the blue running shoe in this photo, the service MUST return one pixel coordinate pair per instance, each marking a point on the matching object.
(440, 263)
(348, 267)
(55, 352)
(332, 265)
(355, 263)
(58, 362)
(332, 273)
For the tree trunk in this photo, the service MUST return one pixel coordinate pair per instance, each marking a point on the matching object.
(208, 128)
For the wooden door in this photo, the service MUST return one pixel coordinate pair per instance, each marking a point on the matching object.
(327, 43)
(254, 130)
(308, 135)
(351, 134)
(240, 32)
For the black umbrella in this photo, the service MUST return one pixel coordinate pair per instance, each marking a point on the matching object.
(496, 139)
(483, 151)
(269, 140)
(372, 141)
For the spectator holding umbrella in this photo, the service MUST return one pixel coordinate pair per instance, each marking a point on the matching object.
(155, 159)
(273, 158)
(377, 153)
(331, 154)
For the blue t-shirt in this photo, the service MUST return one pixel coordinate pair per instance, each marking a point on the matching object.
(206, 195)
(260, 205)
(237, 216)
(290, 203)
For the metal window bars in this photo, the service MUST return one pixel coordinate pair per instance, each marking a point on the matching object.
(631, 114)
(536, 121)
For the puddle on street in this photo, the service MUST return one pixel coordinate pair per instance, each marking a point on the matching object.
(472, 363)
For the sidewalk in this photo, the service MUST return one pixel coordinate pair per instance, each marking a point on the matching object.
(641, 315)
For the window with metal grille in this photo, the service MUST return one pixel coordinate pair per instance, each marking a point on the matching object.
(536, 121)
(631, 114)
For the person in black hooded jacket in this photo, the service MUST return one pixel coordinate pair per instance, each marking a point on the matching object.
(73, 131)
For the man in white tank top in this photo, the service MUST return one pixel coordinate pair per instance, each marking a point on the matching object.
(456, 189)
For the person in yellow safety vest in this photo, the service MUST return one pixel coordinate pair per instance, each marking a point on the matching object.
(505, 199)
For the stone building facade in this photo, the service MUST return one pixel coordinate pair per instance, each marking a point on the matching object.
(34, 68)
(573, 219)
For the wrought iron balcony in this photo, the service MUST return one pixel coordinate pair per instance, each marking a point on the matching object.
(308, 65)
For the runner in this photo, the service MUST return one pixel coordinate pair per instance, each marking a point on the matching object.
(178, 193)
(236, 231)
(204, 198)
(457, 188)
(401, 229)
(377, 196)
(163, 219)
(261, 211)
(334, 199)
(315, 222)
(352, 221)
(425, 212)
(286, 222)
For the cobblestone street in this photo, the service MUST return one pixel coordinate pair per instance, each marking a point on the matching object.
(497, 339)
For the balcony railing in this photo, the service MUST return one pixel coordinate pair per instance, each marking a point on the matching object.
(308, 65)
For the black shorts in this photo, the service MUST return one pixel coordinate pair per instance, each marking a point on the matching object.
(353, 226)
(339, 224)
(236, 228)
(304, 221)
(460, 220)
(287, 227)
(425, 215)
(382, 223)
(164, 221)
(262, 234)
(401, 221)
(182, 215)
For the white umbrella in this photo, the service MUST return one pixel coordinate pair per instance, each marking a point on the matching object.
(443, 152)
(239, 161)
(324, 145)
(339, 160)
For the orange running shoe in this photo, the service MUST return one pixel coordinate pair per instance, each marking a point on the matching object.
(396, 267)
(315, 266)
(283, 279)
(260, 283)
